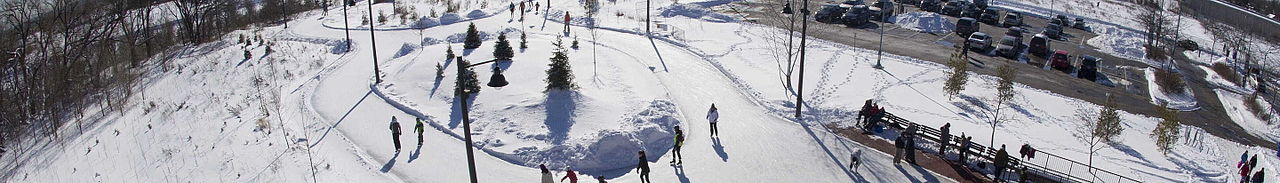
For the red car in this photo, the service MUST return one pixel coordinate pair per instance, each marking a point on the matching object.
(1059, 60)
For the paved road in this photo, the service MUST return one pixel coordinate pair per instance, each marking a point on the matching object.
(929, 46)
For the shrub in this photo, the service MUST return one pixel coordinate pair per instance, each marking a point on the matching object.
(1170, 82)
(1251, 104)
(1227, 73)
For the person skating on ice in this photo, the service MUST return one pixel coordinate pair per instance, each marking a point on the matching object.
(713, 115)
(675, 150)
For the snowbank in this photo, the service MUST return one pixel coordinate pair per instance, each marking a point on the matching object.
(1181, 101)
(925, 22)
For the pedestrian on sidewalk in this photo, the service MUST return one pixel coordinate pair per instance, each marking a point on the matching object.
(643, 168)
(566, 22)
(418, 128)
(965, 143)
(395, 133)
(1001, 162)
(1244, 173)
(899, 144)
(573, 177)
(912, 130)
(1259, 177)
(945, 140)
(855, 160)
(546, 174)
(675, 150)
(712, 116)
(513, 9)
(1244, 158)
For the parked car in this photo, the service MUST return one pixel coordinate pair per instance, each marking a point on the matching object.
(1039, 46)
(1060, 61)
(1010, 47)
(954, 8)
(856, 16)
(1053, 31)
(911, 2)
(1089, 68)
(851, 3)
(981, 3)
(1012, 19)
(829, 13)
(966, 26)
(1060, 20)
(1079, 24)
(881, 10)
(930, 5)
(990, 16)
(1015, 32)
(972, 12)
(979, 41)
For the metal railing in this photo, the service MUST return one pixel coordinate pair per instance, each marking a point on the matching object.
(1046, 166)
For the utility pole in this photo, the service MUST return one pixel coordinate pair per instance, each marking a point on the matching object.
(880, 51)
(647, 16)
(790, 37)
(373, 41)
(804, 30)
(346, 29)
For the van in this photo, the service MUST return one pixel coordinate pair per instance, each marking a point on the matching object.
(966, 26)
(1012, 19)
(1039, 45)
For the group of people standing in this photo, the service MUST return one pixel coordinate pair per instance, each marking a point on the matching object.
(1247, 166)
(872, 119)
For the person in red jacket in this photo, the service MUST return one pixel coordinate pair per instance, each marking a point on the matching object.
(569, 174)
(566, 22)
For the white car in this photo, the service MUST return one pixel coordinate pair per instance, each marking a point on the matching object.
(979, 41)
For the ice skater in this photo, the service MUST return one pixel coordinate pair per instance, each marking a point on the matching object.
(566, 22)
(418, 128)
(546, 174)
(643, 168)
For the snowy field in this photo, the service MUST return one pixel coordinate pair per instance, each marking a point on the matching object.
(311, 112)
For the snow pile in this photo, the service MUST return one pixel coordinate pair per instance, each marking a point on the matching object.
(1183, 100)
(694, 11)
(426, 22)
(1120, 42)
(450, 18)
(925, 22)
(474, 14)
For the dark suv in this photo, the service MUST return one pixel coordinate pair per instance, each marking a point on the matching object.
(954, 8)
(856, 16)
(1088, 68)
(991, 16)
(1039, 45)
(966, 26)
(829, 13)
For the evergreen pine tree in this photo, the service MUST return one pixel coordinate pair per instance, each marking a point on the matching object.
(524, 44)
(472, 85)
(575, 43)
(473, 38)
(1109, 121)
(560, 75)
(959, 74)
(1166, 132)
(448, 53)
(502, 50)
(439, 71)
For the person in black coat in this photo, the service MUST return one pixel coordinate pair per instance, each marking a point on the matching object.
(643, 167)
(945, 140)
(899, 145)
(1001, 162)
(1259, 177)
(395, 133)
(912, 130)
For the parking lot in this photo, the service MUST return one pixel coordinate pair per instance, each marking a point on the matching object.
(1125, 77)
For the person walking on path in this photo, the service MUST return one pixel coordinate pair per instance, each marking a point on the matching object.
(1244, 158)
(566, 22)
(418, 128)
(522, 11)
(945, 140)
(569, 174)
(395, 133)
(1001, 162)
(1244, 173)
(1259, 177)
(546, 174)
(713, 115)
(855, 160)
(676, 158)
(899, 143)
(513, 9)
(643, 168)
(964, 148)
(911, 143)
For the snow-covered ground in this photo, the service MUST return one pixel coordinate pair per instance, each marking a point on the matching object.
(310, 111)
(924, 22)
